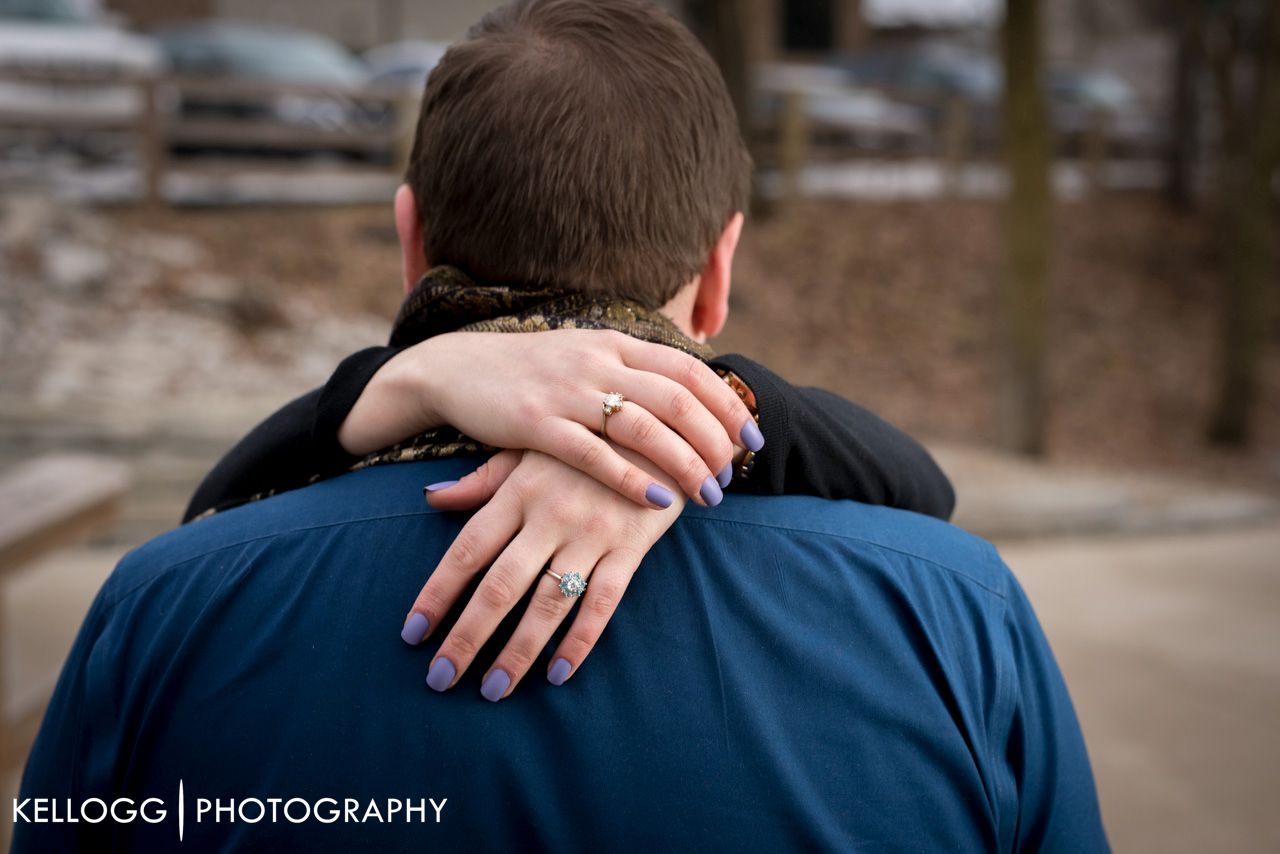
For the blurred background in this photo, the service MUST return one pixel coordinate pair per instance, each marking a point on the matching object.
(1041, 235)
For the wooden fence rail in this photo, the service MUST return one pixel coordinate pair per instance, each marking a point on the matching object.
(154, 118)
(159, 125)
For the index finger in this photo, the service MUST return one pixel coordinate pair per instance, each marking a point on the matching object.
(695, 375)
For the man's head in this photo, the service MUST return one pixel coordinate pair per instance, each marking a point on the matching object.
(589, 144)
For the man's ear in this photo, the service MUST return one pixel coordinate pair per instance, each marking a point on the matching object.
(409, 229)
(711, 305)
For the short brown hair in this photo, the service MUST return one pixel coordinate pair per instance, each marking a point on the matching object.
(588, 144)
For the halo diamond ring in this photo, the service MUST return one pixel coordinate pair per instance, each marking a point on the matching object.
(572, 585)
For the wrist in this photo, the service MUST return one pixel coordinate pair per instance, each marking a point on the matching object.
(401, 400)
(420, 383)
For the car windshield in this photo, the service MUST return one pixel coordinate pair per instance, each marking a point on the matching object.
(268, 54)
(61, 11)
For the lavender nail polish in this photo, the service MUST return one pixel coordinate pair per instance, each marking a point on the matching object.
(752, 438)
(710, 492)
(658, 495)
(415, 629)
(726, 475)
(441, 674)
(436, 487)
(559, 672)
(495, 685)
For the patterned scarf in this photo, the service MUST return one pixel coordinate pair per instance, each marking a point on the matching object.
(447, 300)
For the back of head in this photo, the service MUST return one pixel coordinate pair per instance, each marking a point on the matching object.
(588, 144)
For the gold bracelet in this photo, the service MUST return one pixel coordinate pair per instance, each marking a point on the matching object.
(747, 396)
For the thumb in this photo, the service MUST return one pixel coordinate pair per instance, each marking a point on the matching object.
(476, 488)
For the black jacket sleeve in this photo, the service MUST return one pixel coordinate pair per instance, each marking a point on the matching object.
(816, 443)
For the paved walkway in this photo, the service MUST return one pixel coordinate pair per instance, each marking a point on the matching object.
(1004, 497)
(1171, 648)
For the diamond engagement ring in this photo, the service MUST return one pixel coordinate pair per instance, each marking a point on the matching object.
(612, 403)
(572, 585)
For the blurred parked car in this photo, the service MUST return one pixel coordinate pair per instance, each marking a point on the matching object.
(930, 75)
(835, 109)
(1078, 97)
(928, 71)
(933, 73)
(329, 101)
(402, 66)
(57, 64)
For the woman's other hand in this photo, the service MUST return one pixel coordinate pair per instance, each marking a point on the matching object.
(537, 513)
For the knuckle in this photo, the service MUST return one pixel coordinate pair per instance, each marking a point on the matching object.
(694, 470)
(498, 590)
(484, 472)
(547, 609)
(432, 603)
(521, 487)
(588, 453)
(559, 512)
(683, 405)
(462, 647)
(585, 361)
(632, 482)
(543, 432)
(595, 525)
(603, 602)
(517, 658)
(691, 372)
(530, 410)
(464, 554)
(576, 646)
(645, 431)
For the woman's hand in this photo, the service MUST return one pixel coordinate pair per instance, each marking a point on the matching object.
(544, 391)
(539, 512)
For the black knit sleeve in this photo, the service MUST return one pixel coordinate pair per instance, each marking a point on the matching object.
(294, 445)
(817, 443)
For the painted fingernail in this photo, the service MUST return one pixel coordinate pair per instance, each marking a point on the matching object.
(415, 629)
(726, 475)
(710, 492)
(559, 671)
(441, 674)
(495, 685)
(752, 438)
(436, 487)
(658, 495)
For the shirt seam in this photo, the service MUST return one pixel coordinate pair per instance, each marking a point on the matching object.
(875, 543)
(259, 538)
(418, 513)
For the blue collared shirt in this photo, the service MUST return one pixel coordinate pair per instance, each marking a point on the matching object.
(783, 674)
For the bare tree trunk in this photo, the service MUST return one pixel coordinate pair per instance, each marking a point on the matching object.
(1251, 151)
(1184, 103)
(726, 42)
(724, 33)
(1026, 141)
